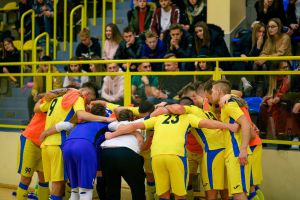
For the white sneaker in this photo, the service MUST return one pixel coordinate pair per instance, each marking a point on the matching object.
(295, 147)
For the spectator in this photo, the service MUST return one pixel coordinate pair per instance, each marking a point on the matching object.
(293, 15)
(98, 80)
(112, 39)
(209, 41)
(141, 17)
(196, 11)
(163, 17)
(180, 42)
(145, 86)
(154, 48)
(88, 47)
(24, 5)
(130, 47)
(277, 44)
(39, 83)
(43, 15)
(204, 66)
(75, 81)
(113, 86)
(268, 9)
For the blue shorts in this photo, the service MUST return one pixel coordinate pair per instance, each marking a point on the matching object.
(80, 160)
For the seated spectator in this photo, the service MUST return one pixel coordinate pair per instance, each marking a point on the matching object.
(10, 54)
(98, 80)
(87, 47)
(112, 39)
(39, 83)
(169, 86)
(196, 11)
(75, 81)
(113, 86)
(271, 104)
(277, 44)
(164, 16)
(141, 17)
(180, 42)
(143, 87)
(43, 15)
(205, 66)
(130, 48)
(154, 48)
(209, 41)
(24, 5)
(266, 10)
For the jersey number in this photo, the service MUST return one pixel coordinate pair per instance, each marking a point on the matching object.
(52, 105)
(168, 119)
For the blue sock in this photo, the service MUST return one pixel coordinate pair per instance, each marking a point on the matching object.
(163, 199)
(251, 195)
(53, 197)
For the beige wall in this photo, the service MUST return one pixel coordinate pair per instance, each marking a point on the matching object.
(227, 14)
(280, 169)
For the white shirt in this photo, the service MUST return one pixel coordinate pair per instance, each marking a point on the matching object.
(165, 19)
(128, 140)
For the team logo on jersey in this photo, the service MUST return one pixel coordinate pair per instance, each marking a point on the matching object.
(236, 186)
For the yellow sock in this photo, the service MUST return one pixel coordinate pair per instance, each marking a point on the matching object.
(43, 191)
(67, 191)
(151, 190)
(22, 192)
(190, 192)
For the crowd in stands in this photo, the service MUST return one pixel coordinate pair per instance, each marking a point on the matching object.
(175, 29)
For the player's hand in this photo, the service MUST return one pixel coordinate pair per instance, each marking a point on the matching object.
(110, 119)
(296, 108)
(43, 136)
(243, 157)
(224, 100)
(108, 135)
(234, 127)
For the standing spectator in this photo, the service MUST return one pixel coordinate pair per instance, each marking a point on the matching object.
(196, 11)
(130, 47)
(293, 15)
(112, 39)
(141, 17)
(154, 48)
(180, 42)
(75, 81)
(88, 47)
(43, 16)
(113, 86)
(209, 41)
(163, 17)
(25, 5)
(145, 86)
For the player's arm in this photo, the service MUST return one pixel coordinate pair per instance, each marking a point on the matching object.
(214, 124)
(61, 126)
(246, 134)
(125, 129)
(85, 116)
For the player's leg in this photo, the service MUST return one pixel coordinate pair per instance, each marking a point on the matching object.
(150, 182)
(193, 159)
(256, 172)
(43, 187)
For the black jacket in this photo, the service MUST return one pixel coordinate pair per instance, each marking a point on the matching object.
(88, 52)
(134, 51)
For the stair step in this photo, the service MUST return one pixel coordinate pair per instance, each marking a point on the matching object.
(14, 112)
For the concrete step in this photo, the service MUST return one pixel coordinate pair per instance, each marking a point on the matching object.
(14, 112)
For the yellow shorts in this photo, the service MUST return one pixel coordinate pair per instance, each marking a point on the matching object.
(147, 161)
(256, 165)
(194, 161)
(29, 157)
(213, 170)
(170, 174)
(53, 163)
(238, 176)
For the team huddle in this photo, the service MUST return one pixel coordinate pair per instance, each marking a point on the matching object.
(74, 139)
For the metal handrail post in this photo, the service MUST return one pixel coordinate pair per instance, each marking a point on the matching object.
(71, 27)
(35, 47)
(65, 24)
(54, 29)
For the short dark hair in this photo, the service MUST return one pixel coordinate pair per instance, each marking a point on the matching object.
(188, 87)
(146, 106)
(46, 58)
(186, 101)
(92, 86)
(169, 55)
(125, 115)
(128, 29)
(175, 26)
(98, 109)
(224, 85)
(208, 85)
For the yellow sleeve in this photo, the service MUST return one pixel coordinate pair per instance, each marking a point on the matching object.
(233, 110)
(149, 123)
(79, 105)
(135, 110)
(45, 106)
(112, 106)
(194, 120)
(191, 109)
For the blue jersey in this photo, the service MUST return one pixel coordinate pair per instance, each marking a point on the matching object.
(90, 131)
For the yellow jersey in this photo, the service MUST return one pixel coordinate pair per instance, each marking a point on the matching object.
(209, 139)
(56, 113)
(170, 133)
(229, 114)
(135, 110)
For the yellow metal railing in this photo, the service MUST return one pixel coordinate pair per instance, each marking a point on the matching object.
(104, 18)
(34, 53)
(71, 25)
(65, 23)
(54, 29)
(31, 11)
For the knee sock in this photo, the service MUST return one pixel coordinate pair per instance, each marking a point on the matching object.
(74, 194)
(67, 191)
(22, 192)
(53, 197)
(150, 187)
(259, 193)
(253, 196)
(85, 194)
(190, 192)
(43, 191)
